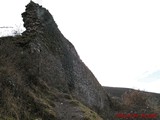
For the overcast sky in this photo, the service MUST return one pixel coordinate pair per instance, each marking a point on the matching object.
(119, 40)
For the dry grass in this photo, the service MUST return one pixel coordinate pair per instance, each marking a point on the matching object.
(140, 102)
(18, 101)
(88, 113)
(135, 98)
(136, 101)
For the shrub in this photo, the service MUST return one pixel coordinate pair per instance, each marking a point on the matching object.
(140, 102)
(116, 103)
(136, 98)
(154, 104)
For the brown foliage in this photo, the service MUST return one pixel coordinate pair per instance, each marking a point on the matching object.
(135, 98)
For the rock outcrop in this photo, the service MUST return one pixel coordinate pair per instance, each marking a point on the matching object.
(42, 76)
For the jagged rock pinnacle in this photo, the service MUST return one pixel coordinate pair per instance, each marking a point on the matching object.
(37, 19)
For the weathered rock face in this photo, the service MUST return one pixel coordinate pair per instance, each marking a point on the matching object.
(43, 55)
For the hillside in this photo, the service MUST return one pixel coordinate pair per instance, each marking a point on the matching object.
(134, 104)
(43, 78)
(118, 92)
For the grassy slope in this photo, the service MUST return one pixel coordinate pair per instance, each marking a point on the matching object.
(21, 98)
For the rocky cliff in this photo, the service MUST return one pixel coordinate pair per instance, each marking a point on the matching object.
(43, 78)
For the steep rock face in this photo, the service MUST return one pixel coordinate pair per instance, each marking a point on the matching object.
(62, 60)
(43, 55)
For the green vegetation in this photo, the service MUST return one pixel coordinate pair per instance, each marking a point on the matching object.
(88, 113)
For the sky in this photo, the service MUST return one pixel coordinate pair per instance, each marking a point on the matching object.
(119, 40)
